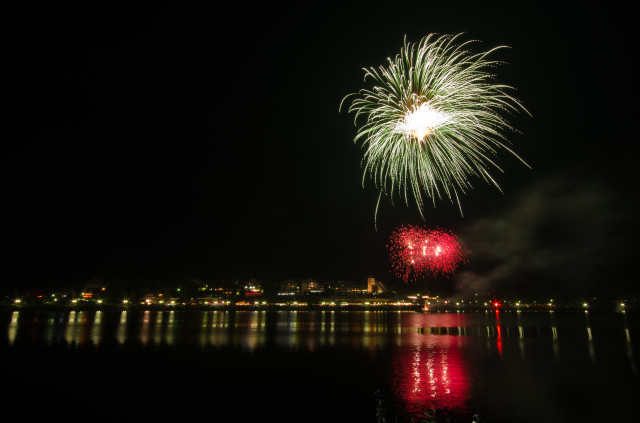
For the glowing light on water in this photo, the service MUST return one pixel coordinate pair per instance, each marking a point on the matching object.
(13, 327)
(429, 374)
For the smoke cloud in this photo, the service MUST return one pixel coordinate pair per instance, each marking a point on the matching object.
(561, 234)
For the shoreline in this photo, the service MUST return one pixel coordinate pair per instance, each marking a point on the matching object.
(272, 307)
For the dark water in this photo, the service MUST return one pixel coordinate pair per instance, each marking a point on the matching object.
(356, 366)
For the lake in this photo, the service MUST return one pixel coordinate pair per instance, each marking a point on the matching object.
(332, 365)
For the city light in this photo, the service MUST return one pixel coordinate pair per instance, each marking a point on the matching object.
(310, 293)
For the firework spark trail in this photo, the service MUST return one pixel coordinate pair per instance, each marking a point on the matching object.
(433, 119)
(416, 252)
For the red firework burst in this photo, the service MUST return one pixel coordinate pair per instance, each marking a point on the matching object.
(416, 251)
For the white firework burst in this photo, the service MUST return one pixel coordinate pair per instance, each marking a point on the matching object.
(433, 120)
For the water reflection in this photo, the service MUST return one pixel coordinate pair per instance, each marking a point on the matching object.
(503, 333)
(554, 334)
(121, 334)
(95, 334)
(158, 330)
(429, 361)
(629, 348)
(499, 333)
(171, 328)
(13, 327)
(249, 330)
(430, 373)
(591, 348)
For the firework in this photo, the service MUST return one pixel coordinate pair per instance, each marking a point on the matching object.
(416, 252)
(433, 120)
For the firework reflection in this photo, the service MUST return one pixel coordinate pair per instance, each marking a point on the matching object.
(429, 373)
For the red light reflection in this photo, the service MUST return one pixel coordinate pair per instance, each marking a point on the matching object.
(499, 337)
(430, 374)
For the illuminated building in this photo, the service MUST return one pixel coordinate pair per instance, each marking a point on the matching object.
(289, 287)
(311, 286)
(151, 298)
(252, 288)
(374, 286)
(360, 301)
(211, 301)
(93, 291)
(345, 287)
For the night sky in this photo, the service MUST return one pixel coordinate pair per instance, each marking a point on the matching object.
(165, 144)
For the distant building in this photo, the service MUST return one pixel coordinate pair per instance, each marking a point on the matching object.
(345, 288)
(93, 291)
(374, 286)
(289, 287)
(151, 298)
(252, 288)
(208, 290)
(211, 301)
(35, 296)
(311, 286)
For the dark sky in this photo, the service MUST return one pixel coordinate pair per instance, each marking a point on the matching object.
(167, 143)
